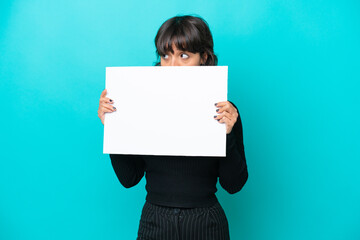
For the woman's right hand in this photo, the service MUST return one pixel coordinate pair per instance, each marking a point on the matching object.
(105, 106)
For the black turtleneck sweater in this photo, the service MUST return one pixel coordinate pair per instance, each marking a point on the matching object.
(182, 181)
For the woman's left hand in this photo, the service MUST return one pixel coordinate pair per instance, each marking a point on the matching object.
(227, 114)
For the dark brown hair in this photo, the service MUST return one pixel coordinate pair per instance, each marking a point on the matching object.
(188, 33)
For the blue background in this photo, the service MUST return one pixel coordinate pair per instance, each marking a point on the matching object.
(293, 73)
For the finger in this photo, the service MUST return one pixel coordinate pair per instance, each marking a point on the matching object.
(108, 107)
(103, 94)
(227, 107)
(220, 104)
(223, 109)
(102, 111)
(106, 100)
(231, 115)
(225, 120)
(224, 114)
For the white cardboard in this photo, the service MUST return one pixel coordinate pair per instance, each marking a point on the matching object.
(165, 110)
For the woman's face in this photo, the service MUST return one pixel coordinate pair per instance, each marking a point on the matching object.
(181, 58)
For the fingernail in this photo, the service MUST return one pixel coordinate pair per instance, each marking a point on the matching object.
(114, 107)
(218, 119)
(215, 104)
(217, 110)
(110, 100)
(215, 116)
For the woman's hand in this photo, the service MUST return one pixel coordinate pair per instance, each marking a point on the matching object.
(227, 114)
(105, 106)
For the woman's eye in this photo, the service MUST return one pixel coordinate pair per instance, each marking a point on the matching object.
(165, 56)
(183, 55)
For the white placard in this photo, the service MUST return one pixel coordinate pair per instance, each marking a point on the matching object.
(165, 110)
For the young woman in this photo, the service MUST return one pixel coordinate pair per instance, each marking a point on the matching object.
(181, 201)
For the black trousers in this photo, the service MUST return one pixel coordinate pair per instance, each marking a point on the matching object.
(158, 222)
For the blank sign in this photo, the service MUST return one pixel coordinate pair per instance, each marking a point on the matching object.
(165, 110)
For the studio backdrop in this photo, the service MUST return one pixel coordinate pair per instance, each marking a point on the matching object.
(293, 74)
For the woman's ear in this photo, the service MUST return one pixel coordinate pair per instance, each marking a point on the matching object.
(203, 58)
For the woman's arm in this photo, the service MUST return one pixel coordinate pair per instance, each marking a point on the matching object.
(233, 172)
(129, 169)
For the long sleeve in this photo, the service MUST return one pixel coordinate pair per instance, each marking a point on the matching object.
(233, 172)
(129, 169)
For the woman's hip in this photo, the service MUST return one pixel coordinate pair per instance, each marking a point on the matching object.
(159, 222)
